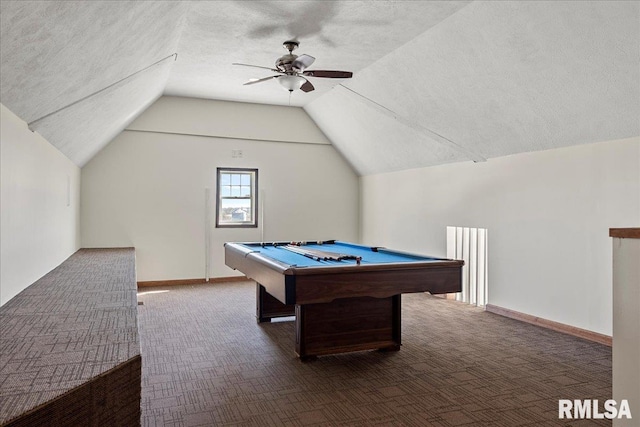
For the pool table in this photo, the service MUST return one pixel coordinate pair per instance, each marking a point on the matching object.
(346, 301)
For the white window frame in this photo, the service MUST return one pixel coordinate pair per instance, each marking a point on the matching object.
(253, 198)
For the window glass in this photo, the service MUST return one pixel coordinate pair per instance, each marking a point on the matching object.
(237, 198)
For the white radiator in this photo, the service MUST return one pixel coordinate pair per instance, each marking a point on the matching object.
(470, 245)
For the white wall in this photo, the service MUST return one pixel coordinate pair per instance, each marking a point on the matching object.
(147, 189)
(548, 215)
(40, 221)
(625, 354)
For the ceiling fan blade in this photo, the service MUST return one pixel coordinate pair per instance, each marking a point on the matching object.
(331, 74)
(307, 86)
(302, 62)
(256, 66)
(254, 81)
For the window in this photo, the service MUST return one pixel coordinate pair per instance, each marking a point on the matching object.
(237, 197)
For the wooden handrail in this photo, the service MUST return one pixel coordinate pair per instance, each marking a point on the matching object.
(625, 233)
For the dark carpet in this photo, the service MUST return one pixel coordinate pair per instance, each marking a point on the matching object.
(206, 362)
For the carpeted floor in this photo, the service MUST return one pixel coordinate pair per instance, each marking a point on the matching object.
(206, 362)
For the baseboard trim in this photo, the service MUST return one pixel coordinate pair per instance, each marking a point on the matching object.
(191, 281)
(550, 324)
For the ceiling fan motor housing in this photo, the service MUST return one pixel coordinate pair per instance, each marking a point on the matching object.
(284, 63)
(290, 45)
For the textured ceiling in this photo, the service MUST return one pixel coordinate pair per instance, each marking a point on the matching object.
(496, 78)
(53, 53)
(434, 81)
(349, 35)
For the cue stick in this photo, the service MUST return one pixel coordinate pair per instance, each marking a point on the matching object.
(325, 254)
(301, 252)
(321, 255)
(262, 216)
(207, 233)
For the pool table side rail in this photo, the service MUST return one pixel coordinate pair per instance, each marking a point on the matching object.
(305, 285)
(395, 266)
(319, 288)
(246, 245)
(266, 271)
(411, 255)
(243, 252)
(287, 269)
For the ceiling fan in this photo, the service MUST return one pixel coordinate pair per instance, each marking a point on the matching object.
(292, 70)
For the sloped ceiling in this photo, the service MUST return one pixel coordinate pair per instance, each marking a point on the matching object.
(434, 82)
(54, 53)
(496, 78)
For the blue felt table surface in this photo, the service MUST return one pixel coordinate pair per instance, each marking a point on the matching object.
(369, 256)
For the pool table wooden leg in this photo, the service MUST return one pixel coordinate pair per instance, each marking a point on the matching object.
(395, 347)
(308, 358)
(348, 324)
(396, 321)
(268, 307)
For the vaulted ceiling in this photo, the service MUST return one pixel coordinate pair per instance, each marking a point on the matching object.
(434, 81)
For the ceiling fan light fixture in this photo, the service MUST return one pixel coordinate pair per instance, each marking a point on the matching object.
(291, 83)
(292, 71)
